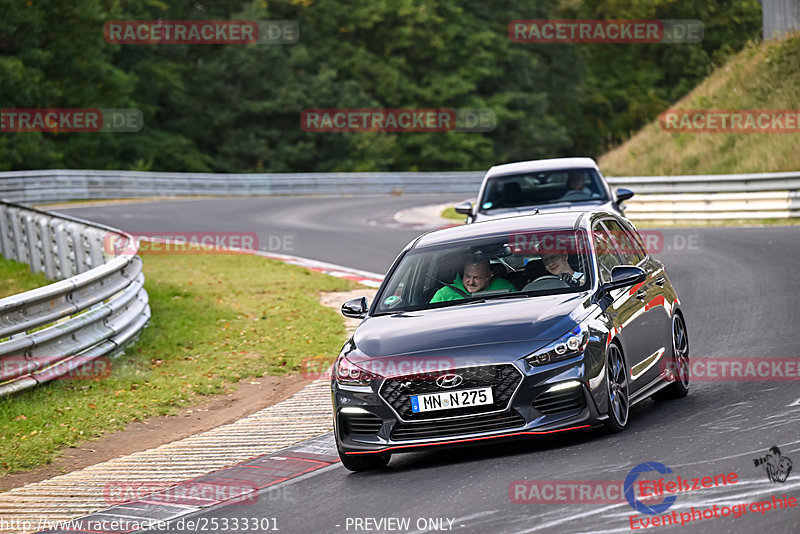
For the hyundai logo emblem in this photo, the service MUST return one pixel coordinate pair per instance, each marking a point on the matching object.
(449, 381)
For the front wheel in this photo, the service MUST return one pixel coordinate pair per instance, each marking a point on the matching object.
(364, 462)
(680, 350)
(617, 386)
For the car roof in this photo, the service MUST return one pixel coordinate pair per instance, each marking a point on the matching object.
(542, 165)
(556, 220)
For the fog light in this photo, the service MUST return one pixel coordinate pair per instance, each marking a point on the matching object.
(564, 385)
(353, 409)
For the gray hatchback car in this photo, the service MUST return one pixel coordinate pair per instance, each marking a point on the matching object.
(545, 185)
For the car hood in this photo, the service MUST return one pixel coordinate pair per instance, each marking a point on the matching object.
(494, 329)
(529, 210)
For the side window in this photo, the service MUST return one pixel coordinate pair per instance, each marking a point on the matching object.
(398, 288)
(426, 274)
(444, 266)
(607, 254)
(627, 245)
(637, 237)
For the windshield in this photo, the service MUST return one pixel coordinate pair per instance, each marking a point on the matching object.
(540, 188)
(525, 264)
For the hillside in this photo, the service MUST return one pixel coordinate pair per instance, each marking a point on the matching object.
(760, 77)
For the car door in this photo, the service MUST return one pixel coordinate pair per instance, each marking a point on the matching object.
(657, 294)
(627, 308)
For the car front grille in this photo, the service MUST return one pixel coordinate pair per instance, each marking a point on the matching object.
(503, 379)
(564, 400)
(455, 427)
(362, 423)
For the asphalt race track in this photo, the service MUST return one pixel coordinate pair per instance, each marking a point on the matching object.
(739, 288)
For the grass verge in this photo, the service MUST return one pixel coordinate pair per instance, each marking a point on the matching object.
(16, 277)
(450, 213)
(216, 319)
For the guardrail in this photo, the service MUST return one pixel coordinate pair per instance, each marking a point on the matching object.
(773, 195)
(711, 197)
(58, 185)
(96, 309)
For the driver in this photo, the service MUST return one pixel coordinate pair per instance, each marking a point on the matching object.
(576, 181)
(477, 277)
(576, 184)
(557, 265)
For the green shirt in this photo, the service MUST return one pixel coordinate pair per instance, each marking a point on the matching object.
(448, 293)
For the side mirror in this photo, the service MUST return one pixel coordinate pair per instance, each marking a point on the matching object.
(627, 275)
(356, 308)
(621, 276)
(465, 208)
(623, 194)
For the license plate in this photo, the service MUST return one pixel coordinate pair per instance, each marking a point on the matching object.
(447, 400)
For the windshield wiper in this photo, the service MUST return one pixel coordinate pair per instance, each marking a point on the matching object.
(515, 295)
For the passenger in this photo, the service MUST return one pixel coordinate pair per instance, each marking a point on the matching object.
(477, 277)
(558, 265)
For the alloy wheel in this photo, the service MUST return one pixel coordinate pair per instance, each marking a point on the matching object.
(617, 380)
(680, 345)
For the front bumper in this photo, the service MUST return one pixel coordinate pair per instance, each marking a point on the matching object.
(549, 399)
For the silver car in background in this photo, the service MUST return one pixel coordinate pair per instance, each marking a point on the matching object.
(545, 185)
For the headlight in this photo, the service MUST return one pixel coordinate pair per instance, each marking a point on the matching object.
(346, 372)
(567, 346)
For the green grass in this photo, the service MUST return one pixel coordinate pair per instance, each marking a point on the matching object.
(16, 277)
(765, 77)
(216, 320)
(450, 213)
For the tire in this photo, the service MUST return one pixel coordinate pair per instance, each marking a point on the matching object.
(617, 388)
(679, 388)
(366, 462)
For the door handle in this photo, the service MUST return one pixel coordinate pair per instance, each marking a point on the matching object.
(661, 281)
(641, 294)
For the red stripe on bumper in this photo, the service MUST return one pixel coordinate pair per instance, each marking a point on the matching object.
(527, 433)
